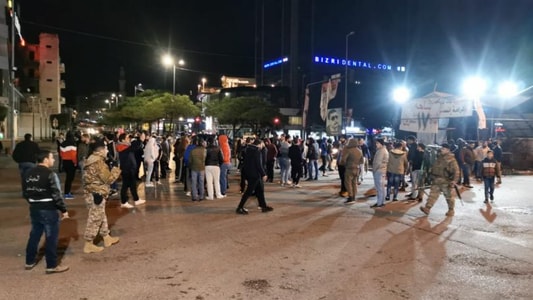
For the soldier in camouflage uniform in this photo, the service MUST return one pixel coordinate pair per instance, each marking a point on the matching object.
(444, 174)
(96, 189)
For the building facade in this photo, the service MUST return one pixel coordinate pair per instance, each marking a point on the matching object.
(39, 79)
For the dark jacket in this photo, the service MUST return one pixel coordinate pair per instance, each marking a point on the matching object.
(213, 156)
(42, 190)
(295, 154)
(272, 152)
(498, 153)
(417, 159)
(126, 156)
(25, 151)
(252, 168)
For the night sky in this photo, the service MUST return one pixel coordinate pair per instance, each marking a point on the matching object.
(440, 42)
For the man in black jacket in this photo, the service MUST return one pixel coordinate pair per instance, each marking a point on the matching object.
(128, 168)
(42, 190)
(254, 173)
(24, 155)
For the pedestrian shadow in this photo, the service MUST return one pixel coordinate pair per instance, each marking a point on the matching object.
(389, 213)
(419, 244)
(68, 232)
(488, 214)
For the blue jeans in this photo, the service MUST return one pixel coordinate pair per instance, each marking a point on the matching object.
(313, 168)
(466, 173)
(24, 167)
(379, 177)
(224, 168)
(46, 221)
(489, 186)
(393, 180)
(197, 185)
(285, 165)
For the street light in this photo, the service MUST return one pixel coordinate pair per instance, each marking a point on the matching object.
(401, 94)
(474, 87)
(346, 80)
(116, 97)
(168, 61)
(204, 80)
(108, 103)
(138, 87)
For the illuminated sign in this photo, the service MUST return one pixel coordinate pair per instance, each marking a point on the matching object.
(356, 64)
(275, 62)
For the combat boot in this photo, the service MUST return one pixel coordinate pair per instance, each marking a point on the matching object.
(90, 248)
(450, 213)
(109, 240)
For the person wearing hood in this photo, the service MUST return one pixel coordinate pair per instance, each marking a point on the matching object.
(226, 163)
(352, 156)
(69, 156)
(379, 169)
(128, 170)
(96, 190)
(445, 173)
(150, 155)
(396, 168)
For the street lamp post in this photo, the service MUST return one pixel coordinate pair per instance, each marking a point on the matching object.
(138, 87)
(346, 80)
(116, 98)
(108, 103)
(168, 61)
(204, 80)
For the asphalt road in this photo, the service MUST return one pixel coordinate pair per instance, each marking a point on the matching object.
(312, 246)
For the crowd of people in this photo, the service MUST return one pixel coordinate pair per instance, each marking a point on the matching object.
(203, 164)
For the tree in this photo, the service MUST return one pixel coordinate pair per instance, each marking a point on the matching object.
(151, 106)
(240, 111)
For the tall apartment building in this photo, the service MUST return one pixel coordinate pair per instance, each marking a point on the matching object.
(4, 78)
(39, 79)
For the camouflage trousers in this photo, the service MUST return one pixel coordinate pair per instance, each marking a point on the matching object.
(446, 190)
(351, 181)
(96, 220)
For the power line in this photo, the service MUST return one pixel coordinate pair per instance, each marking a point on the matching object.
(136, 43)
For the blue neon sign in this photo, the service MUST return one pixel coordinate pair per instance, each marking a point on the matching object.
(275, 62)
(356, 63)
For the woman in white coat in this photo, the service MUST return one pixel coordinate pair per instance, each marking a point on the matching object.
(150, 155)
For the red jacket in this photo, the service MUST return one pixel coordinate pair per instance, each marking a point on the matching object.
(224, 146)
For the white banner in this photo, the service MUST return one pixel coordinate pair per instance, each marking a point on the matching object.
(329, 91)
(306, 108)
(423, 114)
(482, 120)
(420, 115)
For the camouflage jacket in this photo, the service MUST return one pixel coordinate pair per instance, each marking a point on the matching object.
(97, 176)
(445, 168)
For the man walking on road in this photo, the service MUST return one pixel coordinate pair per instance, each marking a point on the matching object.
(42, 190)
(254, 174)
(24, 155)
(379, 168)
(444, 175)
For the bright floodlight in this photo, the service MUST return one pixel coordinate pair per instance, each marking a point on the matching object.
(181, 62)
(401, 94)
(508, 89)
(474, 87)
(167, 60)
